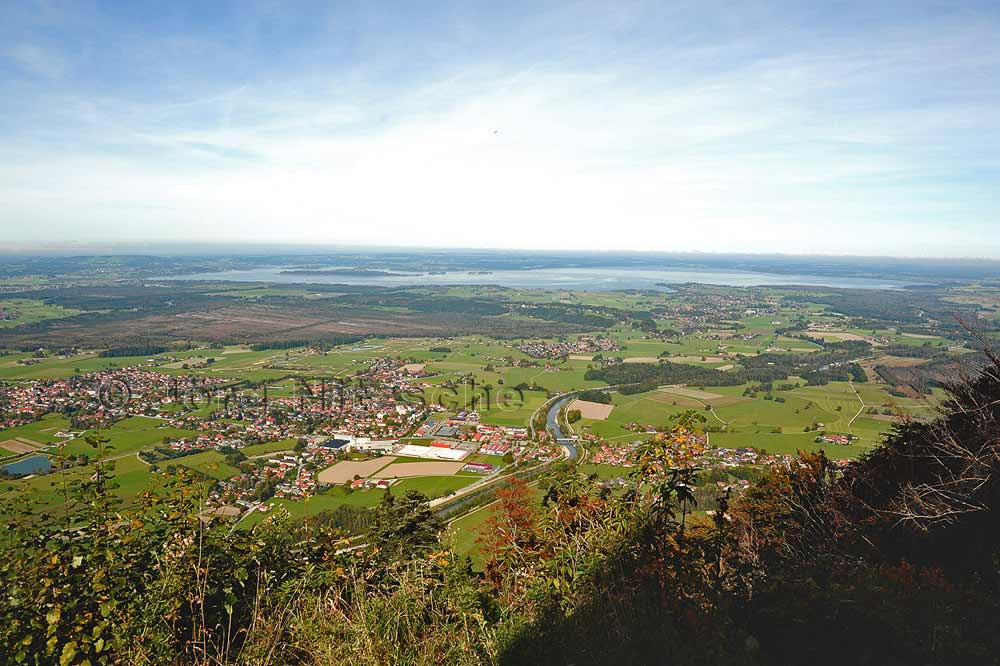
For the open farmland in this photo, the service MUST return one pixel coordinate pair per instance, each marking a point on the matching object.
(128, 436)
(475, 362)
(407, 469)
(345, 471)
(210, 463)
(591, 410)
(500, 334)
(22, 445)
(21, 311)
(184, 312)
(834, 335)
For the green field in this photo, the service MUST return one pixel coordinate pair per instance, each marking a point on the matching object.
(30, 311)
(269, 447)
(42, 431)
(758, 422)
(128, 436)
(605, 471)
(130, 477)
(464, 531)
(210, 463)
(53, 367)
(498, 405)
(432, 486)
(775, 425)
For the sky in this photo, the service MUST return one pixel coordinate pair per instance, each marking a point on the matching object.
(867, 128)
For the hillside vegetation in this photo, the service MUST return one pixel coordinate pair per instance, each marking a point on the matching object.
(892, 561)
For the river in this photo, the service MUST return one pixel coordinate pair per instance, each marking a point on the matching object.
(552, 422)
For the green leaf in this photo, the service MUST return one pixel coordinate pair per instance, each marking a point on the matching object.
(68, 652)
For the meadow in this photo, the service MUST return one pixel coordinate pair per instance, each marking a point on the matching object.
(496, 368)
(330, 499)
(127, 436)
(29, 311)
(759, 422)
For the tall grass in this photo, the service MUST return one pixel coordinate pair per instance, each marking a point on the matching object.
(420, 617)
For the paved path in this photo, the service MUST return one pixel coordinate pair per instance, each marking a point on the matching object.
(851, 422)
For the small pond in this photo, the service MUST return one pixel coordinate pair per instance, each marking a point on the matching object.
(29, 465)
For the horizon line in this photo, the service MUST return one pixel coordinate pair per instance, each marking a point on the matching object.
(111, 248)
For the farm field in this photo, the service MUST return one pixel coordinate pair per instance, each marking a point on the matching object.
(400, 470)
(41, 432)
(477, 372)
(789, 443)
(345, 471)
(128, 436)
(268, 447)
(774, 425)
(465, 531)
(325, 501)
(497, 405)
(496, 461)
(591, 410)
(54, 367)
(339, 496)
(131, 476)
(209, 463)
(18, 446)
(30, 311)
(434, 486)
(604, 471)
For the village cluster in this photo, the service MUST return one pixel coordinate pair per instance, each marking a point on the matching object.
(582, 345)
(623, 455)
(100, 398)
(322, 424)
(381, 411)
(698, 311)
(299, 473)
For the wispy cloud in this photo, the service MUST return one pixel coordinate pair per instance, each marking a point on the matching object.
(765, 129)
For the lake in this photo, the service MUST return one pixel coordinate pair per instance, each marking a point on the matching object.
(30, 465)
(579, 279)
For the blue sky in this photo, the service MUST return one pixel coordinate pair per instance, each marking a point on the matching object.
(862, 128)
